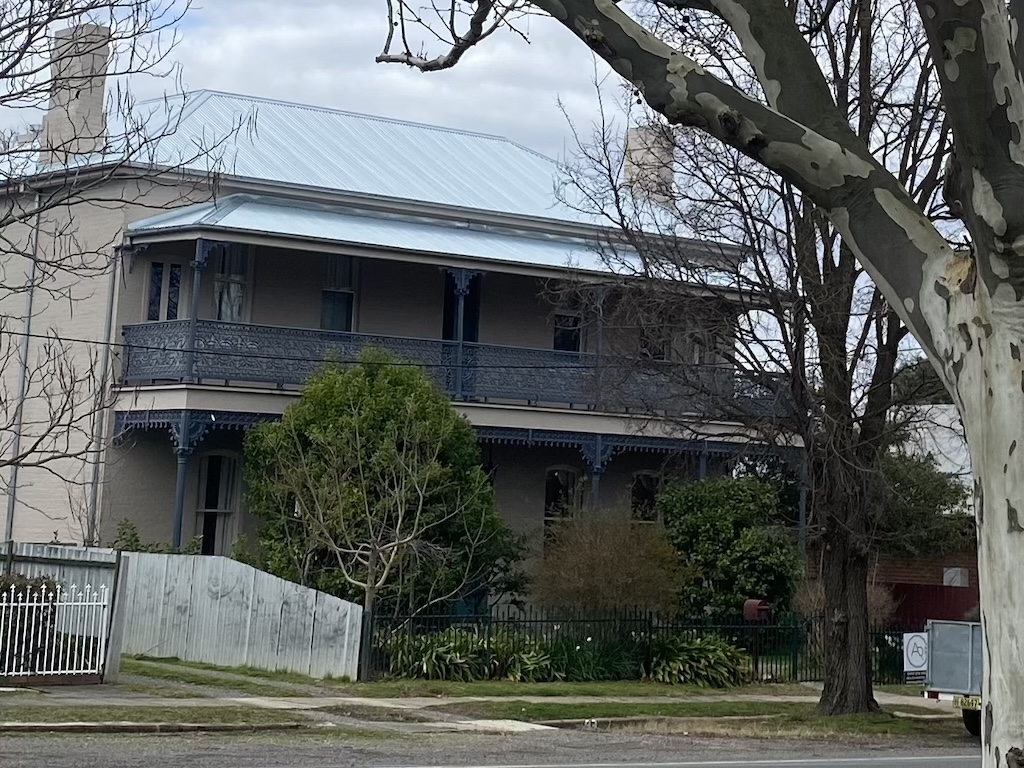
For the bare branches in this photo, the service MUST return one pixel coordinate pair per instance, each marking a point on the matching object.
(487, 18)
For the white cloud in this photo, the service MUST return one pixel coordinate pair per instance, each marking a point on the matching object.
(322, 53)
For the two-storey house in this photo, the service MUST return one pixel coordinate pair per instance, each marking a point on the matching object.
(328, 232)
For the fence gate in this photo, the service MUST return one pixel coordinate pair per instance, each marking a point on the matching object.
(53, 634)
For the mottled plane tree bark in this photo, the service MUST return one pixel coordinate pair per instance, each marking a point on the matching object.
(965, 308)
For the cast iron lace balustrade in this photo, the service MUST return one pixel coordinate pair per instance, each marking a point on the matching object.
(287, 357)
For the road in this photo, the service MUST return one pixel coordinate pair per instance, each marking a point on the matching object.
(563, 749)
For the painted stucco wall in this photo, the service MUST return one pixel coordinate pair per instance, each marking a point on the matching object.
(72, 305)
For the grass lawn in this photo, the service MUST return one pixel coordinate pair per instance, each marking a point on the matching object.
(716, 718)
(522, 710)
(176, 670)
(807, 725)
(218, 715)
(179, 673)
(160, 691)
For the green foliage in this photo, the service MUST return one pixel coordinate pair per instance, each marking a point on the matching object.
(127, 539)
(705, 662)
(371, 488)
(562, 654)
(726, 533)
(920, 512)
(27, 588)
(917, 383)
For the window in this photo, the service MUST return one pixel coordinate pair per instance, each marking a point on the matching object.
(230, 283)
(567, 333)
(218, 497)
(164, 291)
(643, 495)
(561, 495)
(655, 343)
(956, 577)
(338, 296)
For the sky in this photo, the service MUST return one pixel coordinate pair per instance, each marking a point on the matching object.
(322, 53)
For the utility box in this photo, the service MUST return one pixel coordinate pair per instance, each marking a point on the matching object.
(757, 610)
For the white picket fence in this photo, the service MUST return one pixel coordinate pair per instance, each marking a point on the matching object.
(49, 632)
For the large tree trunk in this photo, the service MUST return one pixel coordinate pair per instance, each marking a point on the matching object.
(847, 640)
(991, 388)
(847, 649)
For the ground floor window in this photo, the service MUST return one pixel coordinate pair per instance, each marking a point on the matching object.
(643, 497)
(561, 495)
(216, 512)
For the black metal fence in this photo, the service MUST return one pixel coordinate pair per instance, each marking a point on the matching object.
(607, 647)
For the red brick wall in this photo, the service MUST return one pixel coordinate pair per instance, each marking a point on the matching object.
(917, 585)
(923, 570)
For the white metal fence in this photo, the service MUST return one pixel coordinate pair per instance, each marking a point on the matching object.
(219, 611)
(50, 632)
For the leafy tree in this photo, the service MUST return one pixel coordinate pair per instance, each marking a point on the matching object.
(371, 488)
(922, 510)
(600, 563)
(727, 533)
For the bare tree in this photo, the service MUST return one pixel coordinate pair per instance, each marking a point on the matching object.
(797, 318)
(963, 306)
(77, 150)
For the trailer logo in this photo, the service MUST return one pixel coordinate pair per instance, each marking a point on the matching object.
(915, 652)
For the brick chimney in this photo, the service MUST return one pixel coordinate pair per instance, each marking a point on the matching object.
(649, 169)
(75, 122)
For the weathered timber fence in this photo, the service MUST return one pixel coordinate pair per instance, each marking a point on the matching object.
(219, 611)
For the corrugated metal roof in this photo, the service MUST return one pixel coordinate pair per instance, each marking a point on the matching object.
(264, 215)
(342, 151)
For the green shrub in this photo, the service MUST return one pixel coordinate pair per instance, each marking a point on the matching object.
(127, 539)
(518, 657)
(579, 657)
(566, 652)
(455, 654)
(705, 662)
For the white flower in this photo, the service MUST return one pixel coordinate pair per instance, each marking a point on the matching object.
(589, 639)
(577, 647)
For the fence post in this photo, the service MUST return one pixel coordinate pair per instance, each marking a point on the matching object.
(118, 615)
(794, 659)
(366, 646)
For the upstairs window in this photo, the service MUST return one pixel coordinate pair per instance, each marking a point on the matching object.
(231, 283)
(338, 295)
(164, 291)
(568, 337)
(655, 343)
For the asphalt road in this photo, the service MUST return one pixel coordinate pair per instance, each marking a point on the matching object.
(564, 749)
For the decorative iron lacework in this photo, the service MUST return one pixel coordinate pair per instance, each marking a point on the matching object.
(597, 449)
(187, 428)
(287, 357)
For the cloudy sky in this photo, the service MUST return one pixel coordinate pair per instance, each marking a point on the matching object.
(322, 52)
